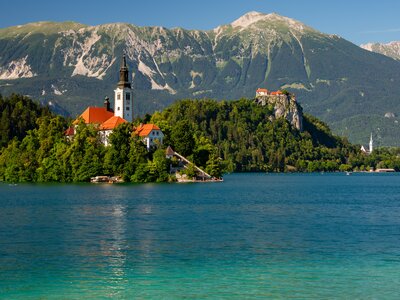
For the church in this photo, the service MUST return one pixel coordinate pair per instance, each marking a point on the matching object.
(106, 119)
(371, 147)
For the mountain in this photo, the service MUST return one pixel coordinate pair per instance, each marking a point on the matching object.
(391, 49)
(71, 66)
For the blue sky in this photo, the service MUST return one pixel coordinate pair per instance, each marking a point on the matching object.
(359, 21)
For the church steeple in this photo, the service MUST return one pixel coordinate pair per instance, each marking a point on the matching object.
(124, 75)
(371, 145)
(123, 101)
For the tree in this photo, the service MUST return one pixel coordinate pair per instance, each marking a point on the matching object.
(190, 171)
(11, 165)
(18, 116)
(161, 165)
(117, 154)
(137, 155)
(214, 165)
(202, 151)
(85, 153)
(182, 138)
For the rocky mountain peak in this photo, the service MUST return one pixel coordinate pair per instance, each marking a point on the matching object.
(391, 49)
(252, 18)
(248, 19)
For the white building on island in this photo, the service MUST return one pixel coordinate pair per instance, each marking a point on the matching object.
(151, 135)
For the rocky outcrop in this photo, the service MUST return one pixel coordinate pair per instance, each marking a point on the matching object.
(391, 49)
(16, 69)
(284, 106)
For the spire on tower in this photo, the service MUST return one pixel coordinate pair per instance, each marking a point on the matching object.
(123, 94)
(124, 75)
(123, 64)
(371, 144)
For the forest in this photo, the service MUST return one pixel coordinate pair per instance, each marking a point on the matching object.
(220, 137)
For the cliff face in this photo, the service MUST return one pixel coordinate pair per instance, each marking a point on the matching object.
(284, 106)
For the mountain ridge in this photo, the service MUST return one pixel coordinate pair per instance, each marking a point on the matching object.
(391, 49)
(331, 77)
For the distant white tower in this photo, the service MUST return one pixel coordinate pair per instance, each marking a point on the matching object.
(371, 144)
(123, 101)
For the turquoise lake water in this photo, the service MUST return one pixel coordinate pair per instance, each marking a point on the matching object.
(255, 236)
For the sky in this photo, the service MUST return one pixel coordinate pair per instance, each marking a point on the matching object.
(359, 21)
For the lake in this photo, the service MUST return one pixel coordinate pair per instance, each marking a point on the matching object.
(254, 236)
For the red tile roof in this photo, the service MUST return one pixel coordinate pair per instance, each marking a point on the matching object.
(144, 130)
(262, 91)
(69, 131)
(95, 115)
(112, 123)
(277, 93)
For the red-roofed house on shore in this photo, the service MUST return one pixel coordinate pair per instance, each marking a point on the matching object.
(151, 134)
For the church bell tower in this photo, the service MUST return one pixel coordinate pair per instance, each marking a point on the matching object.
(123, 101)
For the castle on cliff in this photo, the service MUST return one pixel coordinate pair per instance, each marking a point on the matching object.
(284, 106)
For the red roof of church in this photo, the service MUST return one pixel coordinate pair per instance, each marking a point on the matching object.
(262, 91)
(112, 123)
(144, 130)
(95, 115)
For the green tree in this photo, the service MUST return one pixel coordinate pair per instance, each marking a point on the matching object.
(137, 155)
(161, 165)
(117, 154)
(190, 171)
(182, 138)
(141, 173)
(85, 153)
(214, 167)
(18, 116)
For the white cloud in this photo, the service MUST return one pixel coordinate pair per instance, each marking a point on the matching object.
(382, 31)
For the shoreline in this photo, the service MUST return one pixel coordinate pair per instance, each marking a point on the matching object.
(14, 183)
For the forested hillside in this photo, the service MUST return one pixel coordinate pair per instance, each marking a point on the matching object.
(18, 115)
(233, 136)
(247, 140)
